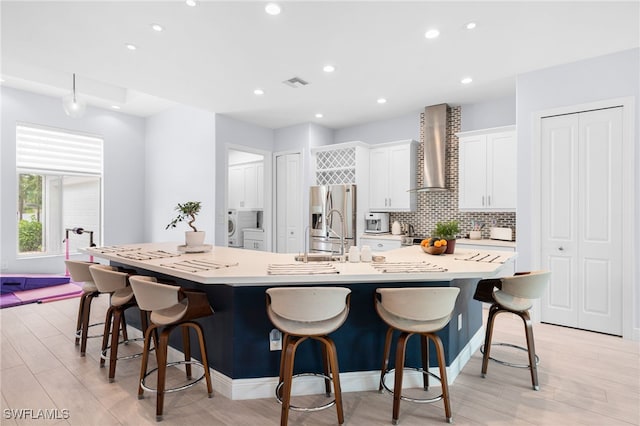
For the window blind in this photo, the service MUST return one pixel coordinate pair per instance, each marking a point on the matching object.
(39, 148)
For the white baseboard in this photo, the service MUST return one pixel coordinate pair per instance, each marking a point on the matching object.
(264, 387)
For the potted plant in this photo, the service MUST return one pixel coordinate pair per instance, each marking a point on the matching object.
(188, 212)
(448, 231)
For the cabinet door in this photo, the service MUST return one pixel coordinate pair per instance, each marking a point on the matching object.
(250, 186)
(472, 172)
(379, 181)
(501, 171)
(401, 175)
(236, 187)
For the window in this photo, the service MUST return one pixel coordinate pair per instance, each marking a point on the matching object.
(59, 189)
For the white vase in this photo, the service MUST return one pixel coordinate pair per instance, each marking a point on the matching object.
(194, 238)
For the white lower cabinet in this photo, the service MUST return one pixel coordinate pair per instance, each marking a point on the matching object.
(254, 239)
(380, 244)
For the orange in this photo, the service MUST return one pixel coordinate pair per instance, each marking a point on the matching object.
(443, 242)
(437, 244)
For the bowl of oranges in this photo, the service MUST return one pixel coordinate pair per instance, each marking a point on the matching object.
(433, 246)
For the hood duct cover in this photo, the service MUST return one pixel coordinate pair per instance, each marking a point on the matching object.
(434, 148)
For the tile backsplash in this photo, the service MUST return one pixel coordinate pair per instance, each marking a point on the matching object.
(433, 207)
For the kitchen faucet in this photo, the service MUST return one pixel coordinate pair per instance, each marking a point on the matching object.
(342, 256)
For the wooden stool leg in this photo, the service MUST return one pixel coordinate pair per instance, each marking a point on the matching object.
(287, 378)
(161, 356)
(148, 335)
(443, 375)
(424, 343)
(327, 370)
(186, 348)
(106, 333)
(531, 348)
(79, 322)
(493, 311)
(123, 324)
(203, 355)
(397, 387)
(113, 356)
(332, 354)
(86, 314)
(385, 356)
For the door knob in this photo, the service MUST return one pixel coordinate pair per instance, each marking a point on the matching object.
(561, 248)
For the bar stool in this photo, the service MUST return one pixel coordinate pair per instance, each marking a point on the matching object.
(170, 307)
(80, 273)
(303, 313)
(515, 295)
(415, 310)
(115, 283)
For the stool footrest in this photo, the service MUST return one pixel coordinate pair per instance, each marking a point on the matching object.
(305, 409)
(177, 388)
(406, 398)
(79, 332)
(510, 364)
(106, 357)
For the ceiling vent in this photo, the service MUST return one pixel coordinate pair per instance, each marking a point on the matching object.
(295, 82)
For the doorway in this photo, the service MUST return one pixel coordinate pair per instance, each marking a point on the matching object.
(247, 199)
(582, 202)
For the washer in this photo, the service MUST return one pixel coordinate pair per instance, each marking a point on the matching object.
(238, 221)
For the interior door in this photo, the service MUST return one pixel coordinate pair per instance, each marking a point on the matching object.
(581, 219)
(289, 235)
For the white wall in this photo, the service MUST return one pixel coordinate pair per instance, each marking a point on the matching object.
(393, 129)
(180, 166)
(492, 113)
(123, 177)
(606, 77)
(237, 134)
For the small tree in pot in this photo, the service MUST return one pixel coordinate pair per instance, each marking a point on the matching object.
(188, 212)
(448, 231)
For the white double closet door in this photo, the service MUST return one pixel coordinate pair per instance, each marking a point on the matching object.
(581, 219)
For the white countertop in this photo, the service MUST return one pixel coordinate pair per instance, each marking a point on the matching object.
(250, 266)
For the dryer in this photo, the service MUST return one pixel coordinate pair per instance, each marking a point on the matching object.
(238, 221)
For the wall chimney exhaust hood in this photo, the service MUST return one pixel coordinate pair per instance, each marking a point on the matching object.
(434, 149)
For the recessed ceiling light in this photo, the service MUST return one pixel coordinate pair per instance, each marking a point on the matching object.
(466, 80)
(470, 25)
(329, 68)
(318, 115)
(157, 27)
(191, 3)
(258, 92)
(272, 9)
(432, 33)
(382, 101)
(115, 107)
(131, 46)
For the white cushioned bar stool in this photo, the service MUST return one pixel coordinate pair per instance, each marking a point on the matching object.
(79, 271)
(422, 311)
(515, 295)
(303, 313)
(170, 306)
(110, 280)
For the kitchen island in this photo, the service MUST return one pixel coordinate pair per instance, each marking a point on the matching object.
(238, 333)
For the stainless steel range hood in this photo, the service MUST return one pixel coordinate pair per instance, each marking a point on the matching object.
(434, 148)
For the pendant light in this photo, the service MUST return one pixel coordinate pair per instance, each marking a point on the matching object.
(73, 106)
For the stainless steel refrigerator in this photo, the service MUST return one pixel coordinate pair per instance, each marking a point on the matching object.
(325, 223)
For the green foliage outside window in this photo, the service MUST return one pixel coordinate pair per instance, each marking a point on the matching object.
(30, 235)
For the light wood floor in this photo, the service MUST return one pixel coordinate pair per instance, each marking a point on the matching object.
(585, 379)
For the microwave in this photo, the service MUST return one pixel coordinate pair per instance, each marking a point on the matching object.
(376, 223)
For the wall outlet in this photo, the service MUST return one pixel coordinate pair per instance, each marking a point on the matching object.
(459, 322)
(275, 340)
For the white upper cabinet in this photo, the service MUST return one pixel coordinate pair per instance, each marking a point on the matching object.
(487, 169)
(392, 169)
(245, 186)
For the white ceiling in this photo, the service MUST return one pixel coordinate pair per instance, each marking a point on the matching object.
(214, 55)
